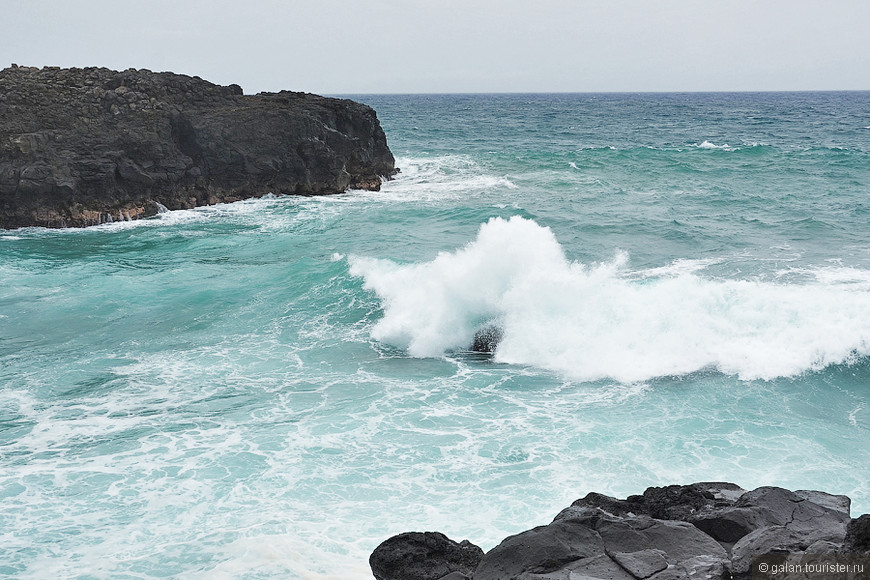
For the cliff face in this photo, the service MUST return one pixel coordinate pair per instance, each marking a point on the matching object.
(80, 147)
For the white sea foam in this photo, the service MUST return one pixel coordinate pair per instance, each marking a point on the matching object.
(675, 268)
(708, 145)
(853, 414)
(252, 210)
(438, 178)
(596, 148)
(604, 321)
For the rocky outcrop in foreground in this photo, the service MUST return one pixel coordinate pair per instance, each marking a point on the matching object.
(80, 147)
(702, 530)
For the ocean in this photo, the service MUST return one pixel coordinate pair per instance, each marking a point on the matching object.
(270, 388)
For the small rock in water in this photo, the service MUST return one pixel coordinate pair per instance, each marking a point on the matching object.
(486, 339)
(423, 556)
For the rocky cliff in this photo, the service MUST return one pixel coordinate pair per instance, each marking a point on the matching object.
(80, 147)
(709, 531)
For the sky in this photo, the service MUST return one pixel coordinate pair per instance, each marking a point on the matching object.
(456, 46)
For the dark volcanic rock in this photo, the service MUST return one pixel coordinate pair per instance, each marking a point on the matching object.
(589, 543)
(540, 550)
(702, 530)
(788, 522)
(84, 146)
(858, 535)
(423, 556)
(673, 502)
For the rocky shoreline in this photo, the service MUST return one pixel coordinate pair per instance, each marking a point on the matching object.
(703, 530)
(80, 147)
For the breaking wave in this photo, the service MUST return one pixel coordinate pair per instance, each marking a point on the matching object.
(595, 321)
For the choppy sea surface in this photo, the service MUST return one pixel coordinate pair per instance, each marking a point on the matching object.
(271, 388)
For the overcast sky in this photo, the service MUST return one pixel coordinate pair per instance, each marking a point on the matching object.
(445, 46)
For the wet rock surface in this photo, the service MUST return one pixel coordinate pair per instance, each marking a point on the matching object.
(80, 147)
(703, 530)
(424, 556)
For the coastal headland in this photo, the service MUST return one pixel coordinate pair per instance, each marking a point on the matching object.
(80, 147)
(679, 532)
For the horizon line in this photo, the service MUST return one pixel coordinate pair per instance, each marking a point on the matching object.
(668, 92)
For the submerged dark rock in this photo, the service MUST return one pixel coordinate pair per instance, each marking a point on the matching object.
(702, 530)
(85, 146)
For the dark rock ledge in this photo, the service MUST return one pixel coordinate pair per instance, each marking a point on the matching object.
(80, 147)
(702, 530)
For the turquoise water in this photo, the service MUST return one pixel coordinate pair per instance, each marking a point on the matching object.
(270, 388)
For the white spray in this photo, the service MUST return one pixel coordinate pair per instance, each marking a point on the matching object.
(593, 322)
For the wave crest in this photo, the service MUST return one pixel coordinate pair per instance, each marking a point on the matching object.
(597, 321)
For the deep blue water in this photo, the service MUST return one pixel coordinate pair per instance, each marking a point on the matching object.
(272, 387)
